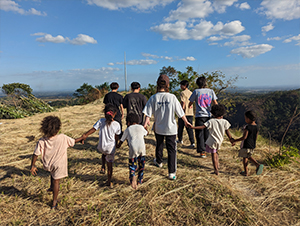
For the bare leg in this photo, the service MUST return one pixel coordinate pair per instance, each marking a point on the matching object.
(133, 183)
(109, 173)
(254, 161)
(245, 163)
(215, 161)
(51, 184)
(102, 171)
(55, 192)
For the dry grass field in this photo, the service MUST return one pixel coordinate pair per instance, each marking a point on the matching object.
(196, 198)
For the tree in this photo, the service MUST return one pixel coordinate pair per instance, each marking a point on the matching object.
(103, 88)
(83, 93)
(16, 90)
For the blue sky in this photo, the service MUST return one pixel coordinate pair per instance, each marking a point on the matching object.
(57, 45)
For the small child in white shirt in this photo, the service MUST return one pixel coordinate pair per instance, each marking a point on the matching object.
(134, 134)
(216, 126)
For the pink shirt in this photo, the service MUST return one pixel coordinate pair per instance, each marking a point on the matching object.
(54, 154)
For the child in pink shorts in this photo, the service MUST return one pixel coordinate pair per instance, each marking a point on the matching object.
(216, 126)
(53, 149)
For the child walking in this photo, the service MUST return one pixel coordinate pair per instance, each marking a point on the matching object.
(134, 134)
(109, 129)
(249, 143)
(216, 126)
(53, 149)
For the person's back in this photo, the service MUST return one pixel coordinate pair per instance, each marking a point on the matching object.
(135, 102)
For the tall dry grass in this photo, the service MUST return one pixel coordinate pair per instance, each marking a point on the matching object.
(196, 198)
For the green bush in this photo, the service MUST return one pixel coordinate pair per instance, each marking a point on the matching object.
(286, 157)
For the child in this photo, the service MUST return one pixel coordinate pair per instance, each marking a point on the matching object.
(189, 113)
(248, 143)
(135, 102)
(53, 148)
(135, 135)
(109, 129)
(164, 105)
(216, 126)
(204, 97)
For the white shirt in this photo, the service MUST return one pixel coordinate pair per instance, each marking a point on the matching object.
(216, 128)
(107, 142)
(163, 105)
(135, 136)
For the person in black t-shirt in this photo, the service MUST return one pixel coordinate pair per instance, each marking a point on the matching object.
(135, 102)
(117, 100)
(248, 143)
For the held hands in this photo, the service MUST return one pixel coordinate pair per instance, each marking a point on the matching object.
(232, 141)
(33, 170)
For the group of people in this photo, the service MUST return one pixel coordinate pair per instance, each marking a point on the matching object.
(210, 128)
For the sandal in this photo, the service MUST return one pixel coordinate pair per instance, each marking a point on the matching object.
(102, 171)
(54, 207)
(259, 169)
(243, 173)
(49, 190)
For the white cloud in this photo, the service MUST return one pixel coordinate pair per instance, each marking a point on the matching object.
(201, 30)
(241, 40)
(281, 9)
(274, 38)
(50, 38)
(213, 43)
(294, 38)
(134, 4)
(267, 28)
(141, 62)
(215, 38)
(189, 9)
(252, 51)
(221, 5)
(9, 5)
(188, 58)
(243, 6)
(150, 55)
(83, 39)
(110, 64)
(168, 58)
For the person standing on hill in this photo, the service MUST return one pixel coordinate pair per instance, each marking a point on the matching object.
(249, 143)
(135, 102)
(117, 100)
(164, 105)
(189, 113)
(204, 98)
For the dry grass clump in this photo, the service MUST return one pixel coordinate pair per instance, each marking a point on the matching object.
(196, 198)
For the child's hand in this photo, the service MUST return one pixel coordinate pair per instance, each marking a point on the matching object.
(232, 141)
(33, 170)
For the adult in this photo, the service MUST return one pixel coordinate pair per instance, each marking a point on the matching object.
(204, 98)
(189, 113)
(135, 102)
(163, 105)
(117, 100)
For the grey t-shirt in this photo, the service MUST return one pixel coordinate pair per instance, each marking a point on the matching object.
(164, 106)
(203, 98)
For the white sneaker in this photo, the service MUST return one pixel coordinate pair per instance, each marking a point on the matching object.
(192, 146)
(179, 141)
(160, 165)
(172, 176)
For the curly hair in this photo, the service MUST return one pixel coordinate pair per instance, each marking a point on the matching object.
(50, 126)
(109, 111)
(132, 118)
(218, 110)
(250, 115)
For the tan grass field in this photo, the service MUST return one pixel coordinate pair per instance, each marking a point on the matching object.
(196, 198)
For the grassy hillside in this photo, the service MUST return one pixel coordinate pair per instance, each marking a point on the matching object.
(196, 198)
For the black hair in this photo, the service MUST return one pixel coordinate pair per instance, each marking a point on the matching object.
(114, 85)
(185, 83)
(135, 85)
(132, 118)
(218, 110)
(50, 126)
(109, 111)
(201, 82)
(250, 115)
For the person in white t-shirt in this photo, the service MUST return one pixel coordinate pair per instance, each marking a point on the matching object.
(216, 126)
(134, 134)
(109, 129)
(163, 105)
